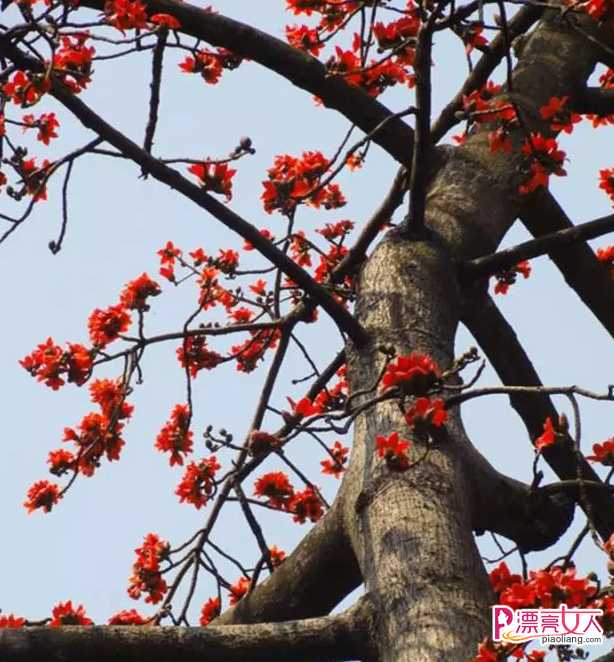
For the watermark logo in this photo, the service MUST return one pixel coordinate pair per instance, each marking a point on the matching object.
(551, 626)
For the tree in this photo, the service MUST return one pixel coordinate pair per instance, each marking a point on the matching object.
(415, 488)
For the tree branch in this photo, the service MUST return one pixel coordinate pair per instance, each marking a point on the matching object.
(582, 271)
(595, 100)
(341, 637)
(485, 266)
(507, 356)
(172, 178)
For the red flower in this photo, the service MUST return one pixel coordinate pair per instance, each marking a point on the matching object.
(486, 652)
(606, 255)
(337, 230)
(110, 395)
(426, 414)
(415, 374)
(210, 610)
(176, 435)
(135, 293)
(304, 407)
(216, 177)
(606, 182)
(304, 38)
(42, 494)
(105, 326)
(335, 466)
(146, 576)
(228, 261)
(394, 451)
(60, 461)
(561, 119)
(205, 63)
(46, 125)
(128, 617)
(306, 505)
(166, 20)
(25, 88)
(507, 277)
(603, 453)
(501, 578)
(198, 482)
(548, 438)
(547, 159)
(66, 614)
(259, 288)
(73, 61)
(276, 487)
(239, 589)
(11, 621)
(195, 354)
(126, 14)
(48, 362)
(277, 556)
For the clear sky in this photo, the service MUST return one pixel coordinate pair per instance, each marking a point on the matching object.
(83, 550)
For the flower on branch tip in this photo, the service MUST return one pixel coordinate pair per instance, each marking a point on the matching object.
(603, 453)
(549, 436)
(176, 436)
(306, 505)
(546, 159)
(198, 482)
(26, 88)
(335, 465)
(238, 590)
(276, 488)
(11, 621)
(42, 494)
(49, 363)
(60, 461)
(215, 177)
(561, 118)
(506, 278)
(415, 374)
(196, 356)
(210, 610)
(426, 414)
(305, 407)
(65, 614)
(128, 617)
(135, 293)
(146, 576)
(46, 125)
(393, 450)
(105, 326)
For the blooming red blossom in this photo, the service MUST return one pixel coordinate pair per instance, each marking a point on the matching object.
(304, 407)
(198, 482)
(105, 326)
(254, 348)
(65, 614)
(394, 451)
(46, 125)
(206, 63)
(304, 38)
(210, 610)
(72, 61)
(176, 435)
(135, 293)
(546, 159)
(501, 578)
(426, 414)
(42, 494)
(472, 37)
(603, 453)
(561, 118)
(276, 487)
(337, 230)
(195, 354)
(215, 177)
(335, 465)
(125, 14)
(49, 363)
(166, 20)
(11, 621)
(110, 395)
(259, 288)
(549, 436)
(239, 589)
(25, 88)
(146, 576)
(128, 617)
(606, 255)
(506, 278)
(60, 461)
(35, 177)
(306, 505)
(277, 556)
(415, 374)
(606, 182)
(227, 261)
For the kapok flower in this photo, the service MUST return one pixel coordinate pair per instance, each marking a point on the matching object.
(210, 610)
(42, 494)
(276, 487)
(277, 556)
(128, 617)
(134, 295)
(215, 177)
(176, 435)
(394, 451)
(335, 465)
(415, 374)
(426, 414)
(239, 589)
(105, 326)
(507, 277)
(606, 182)
(146, 576)
(198, 482)
(11, 621)
(65, 614)
(306, 505)
(549, 436)
(603, 453)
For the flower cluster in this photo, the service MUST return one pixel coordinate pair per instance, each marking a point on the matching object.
(546, 159)
(280, 494)
(25, 88)
(425, 416)
(335, 465)
(105, 326)
(210, 64)
(128, 617)
(42, 494)
(65, 614)
(135, 293)
(210, 610)
(292, 181)
(198, 482)
(606, 182)
(195, 355)
(506, 278)
(72, 61)
(54, 366)
(176, 436)
(393, 451)
(415, 374)
(146, 576)
(126, 14)
(46, 124)
(603, 453)
(215, 177)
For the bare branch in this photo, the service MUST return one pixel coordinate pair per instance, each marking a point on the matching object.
(595, 100)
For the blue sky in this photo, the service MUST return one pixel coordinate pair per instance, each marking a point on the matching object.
(83, 550)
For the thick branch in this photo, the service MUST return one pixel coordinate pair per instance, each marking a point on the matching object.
(342, 637)
(578, 264)
(172, 178)
(503, 349)
(299, 68)
(488, 265)
(596, 100)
